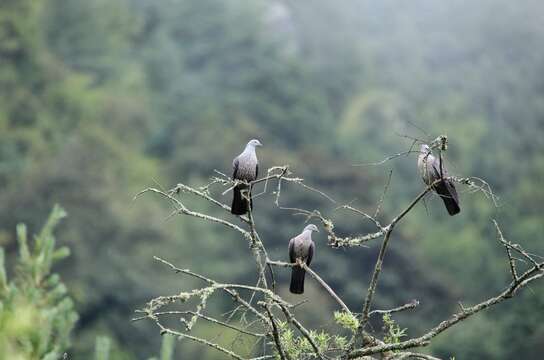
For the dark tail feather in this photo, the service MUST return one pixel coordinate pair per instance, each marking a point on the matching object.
(447, 192)
(239, 204)
(297, 280)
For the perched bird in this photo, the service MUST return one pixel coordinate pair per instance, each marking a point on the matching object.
(246, 168)
(429, 168)
(301, 247)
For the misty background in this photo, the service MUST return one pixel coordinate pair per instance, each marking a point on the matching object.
(100, 99)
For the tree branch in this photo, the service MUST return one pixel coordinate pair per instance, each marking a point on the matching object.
(326, 287)
(526, 278)
(381, 255)
(263, 293)
(302, 330)
(276, 334)
(411, 305)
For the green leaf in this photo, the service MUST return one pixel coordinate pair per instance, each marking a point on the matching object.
(24, 253)
(102, 348)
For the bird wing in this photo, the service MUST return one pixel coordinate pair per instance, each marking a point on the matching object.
(292, 255)
(235, 163)
(436, 168)
(310, 253)
(450, 186)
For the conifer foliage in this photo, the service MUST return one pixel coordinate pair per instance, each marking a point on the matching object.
(36, 313)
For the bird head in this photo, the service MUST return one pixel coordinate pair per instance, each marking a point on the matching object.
(254, 143)
(425, 149)
(311, 227)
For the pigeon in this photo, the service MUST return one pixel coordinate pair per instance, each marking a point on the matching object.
(430, 170)
(301, 247)
(246, 168)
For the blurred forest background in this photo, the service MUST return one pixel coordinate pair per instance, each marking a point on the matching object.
(100, 99)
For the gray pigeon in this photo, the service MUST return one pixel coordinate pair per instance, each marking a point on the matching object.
(246, 168)
(301, 247)
(429, 168)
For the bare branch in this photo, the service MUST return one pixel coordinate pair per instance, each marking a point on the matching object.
(183, 210)
(381, 255)
(382, 198)
(231, 292)
(281, 175)
(276, 334)
(262, 318)
(411, 305)
(257, 247)
(203, 194)
(476, 184)
(215, 346)
(334, 240)
(516, 247)
(207, 318)
(412, 355)
(526, 278)
(362, 213)
(511, 261)
(390, 157)
(314, 275)
(302, 330)
(326, 287)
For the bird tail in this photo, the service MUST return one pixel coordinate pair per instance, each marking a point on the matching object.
(297, 280)
(239, 204)
(447, 192)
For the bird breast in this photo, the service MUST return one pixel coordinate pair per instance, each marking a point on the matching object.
(301, 247)
(247, 167)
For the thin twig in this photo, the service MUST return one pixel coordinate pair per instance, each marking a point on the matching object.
(412, 355)
(326, 287)
(276, 334)
(511, 261)
(411, 305)
(165, 330)
(256, 246)
(231, 292)
(207, 318)
(362, 213)
(524, 279)
(302, 330)
(382, 197)
(390, 157)
(183, 210)
(314, 275)
(381, 255)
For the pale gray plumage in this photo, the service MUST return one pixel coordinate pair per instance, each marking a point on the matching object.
(246, 168)
(431, 170)
(301, 247)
